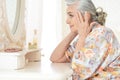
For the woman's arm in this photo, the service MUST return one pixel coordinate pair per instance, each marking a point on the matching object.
(58, 54)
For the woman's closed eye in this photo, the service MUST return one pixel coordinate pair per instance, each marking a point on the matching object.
(71, 15)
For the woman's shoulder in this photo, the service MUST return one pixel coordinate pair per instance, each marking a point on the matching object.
(102, 29)
(102, 32)
(105, 32)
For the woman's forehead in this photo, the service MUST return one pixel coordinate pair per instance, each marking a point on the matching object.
(71, 8)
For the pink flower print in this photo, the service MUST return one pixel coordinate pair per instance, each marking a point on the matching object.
(89, 53)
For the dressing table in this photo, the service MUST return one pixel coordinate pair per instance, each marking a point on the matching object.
(43, 70)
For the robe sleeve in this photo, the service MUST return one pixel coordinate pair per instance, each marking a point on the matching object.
(88, 60)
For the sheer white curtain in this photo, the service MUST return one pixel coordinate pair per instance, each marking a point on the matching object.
(45, 16)
(33, 20)
(52, 25)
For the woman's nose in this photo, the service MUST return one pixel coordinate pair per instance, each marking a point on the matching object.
(67, 21)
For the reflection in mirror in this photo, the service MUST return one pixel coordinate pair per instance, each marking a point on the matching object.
(12, 11)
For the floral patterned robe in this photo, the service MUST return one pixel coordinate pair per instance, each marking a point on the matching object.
(100, 53)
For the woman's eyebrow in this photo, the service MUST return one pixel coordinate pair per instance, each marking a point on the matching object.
(69, 12)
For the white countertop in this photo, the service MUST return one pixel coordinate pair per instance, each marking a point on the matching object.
(43, 70)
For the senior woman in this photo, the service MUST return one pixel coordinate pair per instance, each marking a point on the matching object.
(95, 53)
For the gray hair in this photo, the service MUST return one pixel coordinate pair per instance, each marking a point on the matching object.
(87, 5)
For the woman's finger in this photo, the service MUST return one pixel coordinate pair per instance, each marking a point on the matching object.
(77, 17)
(77, 21)
(87, 16)
(80, 16)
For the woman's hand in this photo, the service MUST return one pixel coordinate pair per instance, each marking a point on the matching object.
(83, 23)
(84, 26)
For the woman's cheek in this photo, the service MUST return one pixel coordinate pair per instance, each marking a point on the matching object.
(75, 29)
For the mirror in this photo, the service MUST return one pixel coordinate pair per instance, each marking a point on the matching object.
(14, 22)
(13, 13)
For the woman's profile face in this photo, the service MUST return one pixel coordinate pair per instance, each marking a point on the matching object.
(71, 17)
